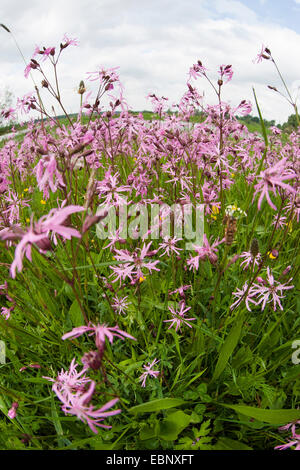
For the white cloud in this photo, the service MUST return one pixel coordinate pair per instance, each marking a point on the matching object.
(154, 43)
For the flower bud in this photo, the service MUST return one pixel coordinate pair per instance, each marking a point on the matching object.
(286, 271)
(92, 360)
(12, 413)
(81, 88)
(254, 249)
(44, 244)
(91, 220)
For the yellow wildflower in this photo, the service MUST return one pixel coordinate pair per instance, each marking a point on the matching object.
(215, 210)
(271, 256)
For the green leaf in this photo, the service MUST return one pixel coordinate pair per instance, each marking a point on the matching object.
(275, 417)
(263, 127)
(3, 406)
(242, 357)
(173, 425)
(55, 418)
(157, 405)
(224, 443)
(148, 432)
(228, 347)
(75, 314)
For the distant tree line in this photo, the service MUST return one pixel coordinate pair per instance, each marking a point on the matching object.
(288, 126)
(255, 120)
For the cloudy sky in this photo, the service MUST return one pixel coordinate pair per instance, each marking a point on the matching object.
(155, 42)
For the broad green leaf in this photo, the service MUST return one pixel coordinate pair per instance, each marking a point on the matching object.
(228, 347)
(3, 406)
(157, 405)
(148, 432)
(173, 425)
(76, 315)
(224, 443)
(275, 417)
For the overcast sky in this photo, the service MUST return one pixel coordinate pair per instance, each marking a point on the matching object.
(155, 42)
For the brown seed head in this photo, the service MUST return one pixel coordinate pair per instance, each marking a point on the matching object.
(254, 249)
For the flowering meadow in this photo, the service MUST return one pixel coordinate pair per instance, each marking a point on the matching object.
(135, 335)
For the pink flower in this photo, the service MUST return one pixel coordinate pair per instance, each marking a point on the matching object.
(181, 290)
(5, 312)
(69, 382)
(120, 305)
(291, 425)
(48, 175)
(92, 359)
(38, 234)
(122, 272)
(158, 104)
(264, 54)
(107, 76)
(8, 113)
(294, 204)
(197, 70)
(204, 252)
(169, 245)
(24, 249)
(32, 366)
(3, 287)
(149, 371)
(239, 294)
(70, 388)
(226, 72)
(179, 318)
(115, 238)
(244, 108)
(45, 52)
(78, 405)
(250, 260)
(270, 291)
(28, 101)
(15, 203)
(100, 331)
(271, 180)
(275, 130)
(110, 188)
(27, 70)
(293, 441)
(280, 223)
(134, 263)
(12, 413)
(66, 41)
(54, 222)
